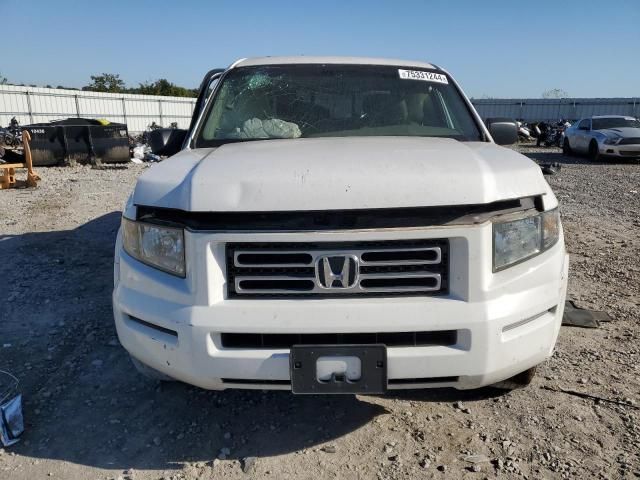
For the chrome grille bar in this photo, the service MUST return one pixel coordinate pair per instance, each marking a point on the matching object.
(435, 252)
(239, 261)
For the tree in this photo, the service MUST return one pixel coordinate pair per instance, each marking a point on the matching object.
(555, 93)
(3, 80)
(165, 88)
(107, 82)
(112, 83)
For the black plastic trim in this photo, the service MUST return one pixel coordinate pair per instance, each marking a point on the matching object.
(417, 381)
(303, 361)
(153, 326)
(287, 340)
(251, 381)
(321, 220)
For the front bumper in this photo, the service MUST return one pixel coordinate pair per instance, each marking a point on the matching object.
(620, 151)
(506, 322)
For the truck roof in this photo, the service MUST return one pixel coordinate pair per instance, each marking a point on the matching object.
(302, 60)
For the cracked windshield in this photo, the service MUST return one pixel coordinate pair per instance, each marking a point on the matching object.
(335, 101)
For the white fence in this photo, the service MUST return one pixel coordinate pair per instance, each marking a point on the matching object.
(537, 109)
(35, 105)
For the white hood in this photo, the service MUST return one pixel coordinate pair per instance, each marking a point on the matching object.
(339, 174)
(624, 132)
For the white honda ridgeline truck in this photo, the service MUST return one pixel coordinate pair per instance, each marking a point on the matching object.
(339, 225)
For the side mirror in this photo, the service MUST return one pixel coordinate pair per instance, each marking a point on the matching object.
(503, 130)
(166, 141)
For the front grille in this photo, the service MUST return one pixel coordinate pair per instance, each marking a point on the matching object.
(287, 340)
(629, 141)
(337, 269)
(630, 153)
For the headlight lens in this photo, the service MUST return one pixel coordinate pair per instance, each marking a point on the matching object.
(159, 247)
(611, 141)
(550, 228)
(519, 239)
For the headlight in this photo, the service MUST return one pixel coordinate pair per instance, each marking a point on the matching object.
(611, 141)
(523, 238)
(159, 247)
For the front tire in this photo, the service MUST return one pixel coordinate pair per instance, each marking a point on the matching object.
(594, 151)
(520, 380)
(566, 148)
(150, 373)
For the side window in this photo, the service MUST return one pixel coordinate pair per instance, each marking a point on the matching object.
(584, 124)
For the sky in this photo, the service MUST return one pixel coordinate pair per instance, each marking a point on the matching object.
(494, 48)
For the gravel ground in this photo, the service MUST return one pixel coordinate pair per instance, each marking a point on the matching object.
(90, 415)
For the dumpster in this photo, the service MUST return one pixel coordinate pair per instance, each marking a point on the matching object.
(78, 140)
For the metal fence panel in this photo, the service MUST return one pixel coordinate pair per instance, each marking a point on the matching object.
(35, 105)
(533, 110)
(32, 104)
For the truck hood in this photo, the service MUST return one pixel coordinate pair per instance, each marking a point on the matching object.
(338, 174)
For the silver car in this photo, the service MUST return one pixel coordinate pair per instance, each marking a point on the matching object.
(610, 135)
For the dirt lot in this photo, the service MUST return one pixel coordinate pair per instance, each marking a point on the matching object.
(90, 415)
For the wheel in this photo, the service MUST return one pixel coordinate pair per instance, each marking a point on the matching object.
(594, 152)
(150, 373)
(520, 380)
(559, 141)
(566, 148)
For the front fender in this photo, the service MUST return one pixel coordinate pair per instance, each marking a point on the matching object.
(598, 137)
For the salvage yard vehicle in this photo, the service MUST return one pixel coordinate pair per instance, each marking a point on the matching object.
(339, 225)
(610, 136)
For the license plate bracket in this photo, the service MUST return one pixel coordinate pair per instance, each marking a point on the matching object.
(303, 364)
